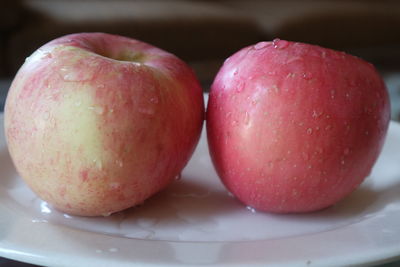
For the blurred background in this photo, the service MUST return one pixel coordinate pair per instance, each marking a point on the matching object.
(204, 33)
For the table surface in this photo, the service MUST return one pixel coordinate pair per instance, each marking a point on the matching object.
(392, 80)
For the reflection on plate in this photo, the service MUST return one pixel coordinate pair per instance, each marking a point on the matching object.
(196, 221)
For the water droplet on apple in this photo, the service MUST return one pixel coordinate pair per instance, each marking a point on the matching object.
(69, 74)
(316, 114)
(235, 72)
(307, 76)
(106, 214)
(260, 45)
(147, 110)
(46, 55)
(178, 177)
(309, 131)
(154, 100)
(119, 163)
(99, 110)
(240, 87)
(115, 185)
(275, 88)
(333, 93)
(98, 164)
(246, 118)
(291, 75)
(280, 44)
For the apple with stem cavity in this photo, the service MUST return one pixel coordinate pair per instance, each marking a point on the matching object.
(294, 127)
(97, 123)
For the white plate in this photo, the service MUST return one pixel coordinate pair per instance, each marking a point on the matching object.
(195, 221)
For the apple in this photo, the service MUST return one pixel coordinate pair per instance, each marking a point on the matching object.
(294, 127)
(96, 123)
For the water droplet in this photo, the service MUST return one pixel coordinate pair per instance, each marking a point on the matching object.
(280, 44)
(307, 76)
(309, 131)
(99, 164)
(147, 110)
(260, 45)
(114, 185)
(106, 214)
(316, 114)
(246, 118)
(240, 86)
(275, 88)
(44, 208)
(333, 93)
(342, 162)
(99, 110)
(251, 209)
(235, 72)
(291, 75)
(154, 100)
(69, 74)
(178, 177)
(119, 163)
(46, 55)
(328, 127)
(295, 192)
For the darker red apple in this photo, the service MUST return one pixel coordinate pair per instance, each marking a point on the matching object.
(294, 127)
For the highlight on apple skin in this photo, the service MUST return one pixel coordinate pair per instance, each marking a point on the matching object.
(97, 123)
(294, 127)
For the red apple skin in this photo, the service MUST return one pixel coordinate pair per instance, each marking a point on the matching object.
(294, 127)
(97, 123)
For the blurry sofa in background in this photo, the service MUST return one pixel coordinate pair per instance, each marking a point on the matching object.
(204, 33)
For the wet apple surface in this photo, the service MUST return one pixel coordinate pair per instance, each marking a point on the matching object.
(107, 121)
(294, 127)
